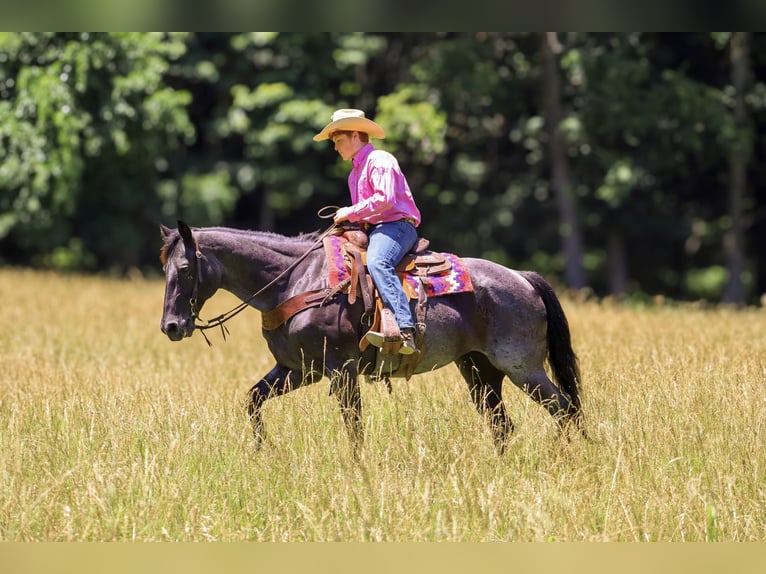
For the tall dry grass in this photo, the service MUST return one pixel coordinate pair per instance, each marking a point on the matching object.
(110, 432)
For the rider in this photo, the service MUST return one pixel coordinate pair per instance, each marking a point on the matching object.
(383, 204)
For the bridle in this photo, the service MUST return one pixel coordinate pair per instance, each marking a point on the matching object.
(223, 317)
(197, 280)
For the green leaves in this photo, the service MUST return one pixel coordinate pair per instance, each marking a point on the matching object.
(72, 100)
(104, 135)
(413, 121)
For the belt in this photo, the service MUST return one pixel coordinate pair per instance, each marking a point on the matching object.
(411, 220)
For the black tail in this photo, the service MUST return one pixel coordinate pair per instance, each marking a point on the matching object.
(561, 356)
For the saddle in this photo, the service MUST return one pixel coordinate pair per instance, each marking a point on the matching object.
(420, 261)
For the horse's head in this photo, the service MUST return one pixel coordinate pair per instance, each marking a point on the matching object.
(190, 280)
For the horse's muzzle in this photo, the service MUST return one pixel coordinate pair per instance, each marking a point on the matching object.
(177, 331)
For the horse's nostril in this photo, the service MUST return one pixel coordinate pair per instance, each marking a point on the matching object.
(174, 330)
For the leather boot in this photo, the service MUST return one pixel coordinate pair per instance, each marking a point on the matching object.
(408, 342)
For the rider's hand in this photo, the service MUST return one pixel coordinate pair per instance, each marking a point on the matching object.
(341, 215)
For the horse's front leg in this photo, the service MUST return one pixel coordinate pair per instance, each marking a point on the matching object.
(276, 382)
(344, 384)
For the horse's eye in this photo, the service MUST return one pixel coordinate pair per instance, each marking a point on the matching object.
(184, 270)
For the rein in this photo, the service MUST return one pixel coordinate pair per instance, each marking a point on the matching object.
(223, 317)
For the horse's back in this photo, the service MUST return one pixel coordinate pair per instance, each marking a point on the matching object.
(505, 290)
(502, 316)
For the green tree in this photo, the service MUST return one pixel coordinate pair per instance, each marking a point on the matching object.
(103, 136)
(647, 138)
(86, 124)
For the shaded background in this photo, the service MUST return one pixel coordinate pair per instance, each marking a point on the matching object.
(622, 163)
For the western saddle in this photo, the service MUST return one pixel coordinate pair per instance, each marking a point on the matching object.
(420, 262)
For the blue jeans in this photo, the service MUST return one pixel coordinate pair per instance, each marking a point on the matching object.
(389, 243)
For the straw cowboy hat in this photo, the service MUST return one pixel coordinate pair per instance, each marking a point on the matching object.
(353, 121)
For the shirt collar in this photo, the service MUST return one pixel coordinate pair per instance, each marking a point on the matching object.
(361, 155)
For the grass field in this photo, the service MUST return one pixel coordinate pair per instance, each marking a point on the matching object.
(109, 432)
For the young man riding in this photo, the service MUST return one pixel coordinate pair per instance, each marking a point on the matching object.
(382, 202)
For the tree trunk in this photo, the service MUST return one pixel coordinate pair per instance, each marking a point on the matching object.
(739, 157)
(618, 263)
(569, 224)
(266, 219)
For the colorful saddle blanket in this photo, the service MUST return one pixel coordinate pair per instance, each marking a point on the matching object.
(455, 280)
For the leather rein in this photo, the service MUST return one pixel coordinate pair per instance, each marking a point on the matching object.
(223, 317)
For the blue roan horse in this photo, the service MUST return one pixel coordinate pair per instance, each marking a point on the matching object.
(508, 326)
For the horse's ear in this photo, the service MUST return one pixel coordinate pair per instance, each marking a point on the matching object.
(186, 233)
(165, 231)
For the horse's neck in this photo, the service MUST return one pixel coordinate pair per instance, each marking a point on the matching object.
(251, 261)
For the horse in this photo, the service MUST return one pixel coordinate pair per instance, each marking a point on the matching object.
(508, 325)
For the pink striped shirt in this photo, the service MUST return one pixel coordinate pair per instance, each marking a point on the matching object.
(379, 190)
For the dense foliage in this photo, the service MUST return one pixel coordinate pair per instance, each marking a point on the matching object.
(632, 164)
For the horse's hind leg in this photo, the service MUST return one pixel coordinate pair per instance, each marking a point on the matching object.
(485, 383)
(276, 382)
(542, 390)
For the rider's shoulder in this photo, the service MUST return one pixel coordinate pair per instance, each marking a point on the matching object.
(381, 158)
